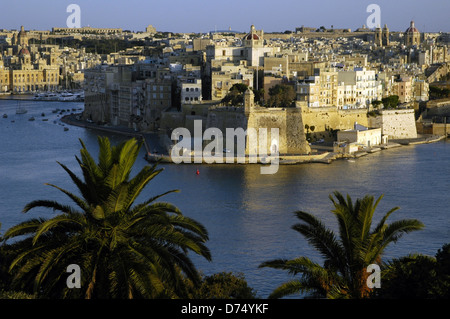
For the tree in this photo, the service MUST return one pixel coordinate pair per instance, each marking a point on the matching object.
(124, 249)
(235, 96)
(224, 285)
(376, 103)
(281, 95)
(417, 277)
(436, 92)
(390, 102)
(347, 256)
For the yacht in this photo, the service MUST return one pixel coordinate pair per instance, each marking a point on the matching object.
(67, 96)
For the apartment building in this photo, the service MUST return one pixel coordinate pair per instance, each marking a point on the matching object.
(225, 75)
(358, 88)
(320, 89)
(191, 90)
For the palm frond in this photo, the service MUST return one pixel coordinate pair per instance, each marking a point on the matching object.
(57, 222)
(77, 200)
(320, 237)
(289, 288)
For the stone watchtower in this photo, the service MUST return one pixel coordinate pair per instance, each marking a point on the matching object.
(249, 101)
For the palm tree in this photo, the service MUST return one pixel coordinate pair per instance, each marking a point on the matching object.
(346, 255)
(124, 250)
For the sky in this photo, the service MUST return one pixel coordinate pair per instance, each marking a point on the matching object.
(202, 16)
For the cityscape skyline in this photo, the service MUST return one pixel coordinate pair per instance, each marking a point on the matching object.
(199, 16)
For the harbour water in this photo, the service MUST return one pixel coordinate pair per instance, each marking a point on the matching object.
(248, 215)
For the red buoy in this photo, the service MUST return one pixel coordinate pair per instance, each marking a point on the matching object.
(198, 172)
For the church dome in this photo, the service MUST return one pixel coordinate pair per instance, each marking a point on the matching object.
(252, 36)
(24, 51)
(412, 28)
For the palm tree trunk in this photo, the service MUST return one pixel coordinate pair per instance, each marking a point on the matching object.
(90, 288)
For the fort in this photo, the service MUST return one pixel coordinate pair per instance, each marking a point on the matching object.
(295, 126)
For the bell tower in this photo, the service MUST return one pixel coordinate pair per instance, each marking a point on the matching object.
(378, 37)
(22, 38)
(386, 35)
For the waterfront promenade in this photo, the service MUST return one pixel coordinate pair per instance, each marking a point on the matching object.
(155, 152)
(151, 140)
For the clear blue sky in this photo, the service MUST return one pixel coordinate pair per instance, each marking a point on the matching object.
(207, 15)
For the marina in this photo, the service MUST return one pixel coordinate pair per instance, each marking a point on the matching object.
(57, 96)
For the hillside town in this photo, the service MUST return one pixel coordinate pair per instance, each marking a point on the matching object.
(348, 90)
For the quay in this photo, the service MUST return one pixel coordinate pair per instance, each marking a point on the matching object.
(155, 152)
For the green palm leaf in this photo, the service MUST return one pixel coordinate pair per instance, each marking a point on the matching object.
(346, 255)
(125, 249)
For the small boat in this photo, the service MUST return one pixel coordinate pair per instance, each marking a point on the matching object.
(43, 114)
(66, 129)
(39, 96)
(51, 97)
(31, 119)
(5, 116)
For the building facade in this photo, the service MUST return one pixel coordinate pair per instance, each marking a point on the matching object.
(412, 35)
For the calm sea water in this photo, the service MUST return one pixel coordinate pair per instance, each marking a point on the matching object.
(248, 215)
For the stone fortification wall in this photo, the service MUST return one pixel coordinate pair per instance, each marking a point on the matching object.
(172, 120)
(437, 108)
(397, 124)
(325, 118)
(292, 139)
(226, 117)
